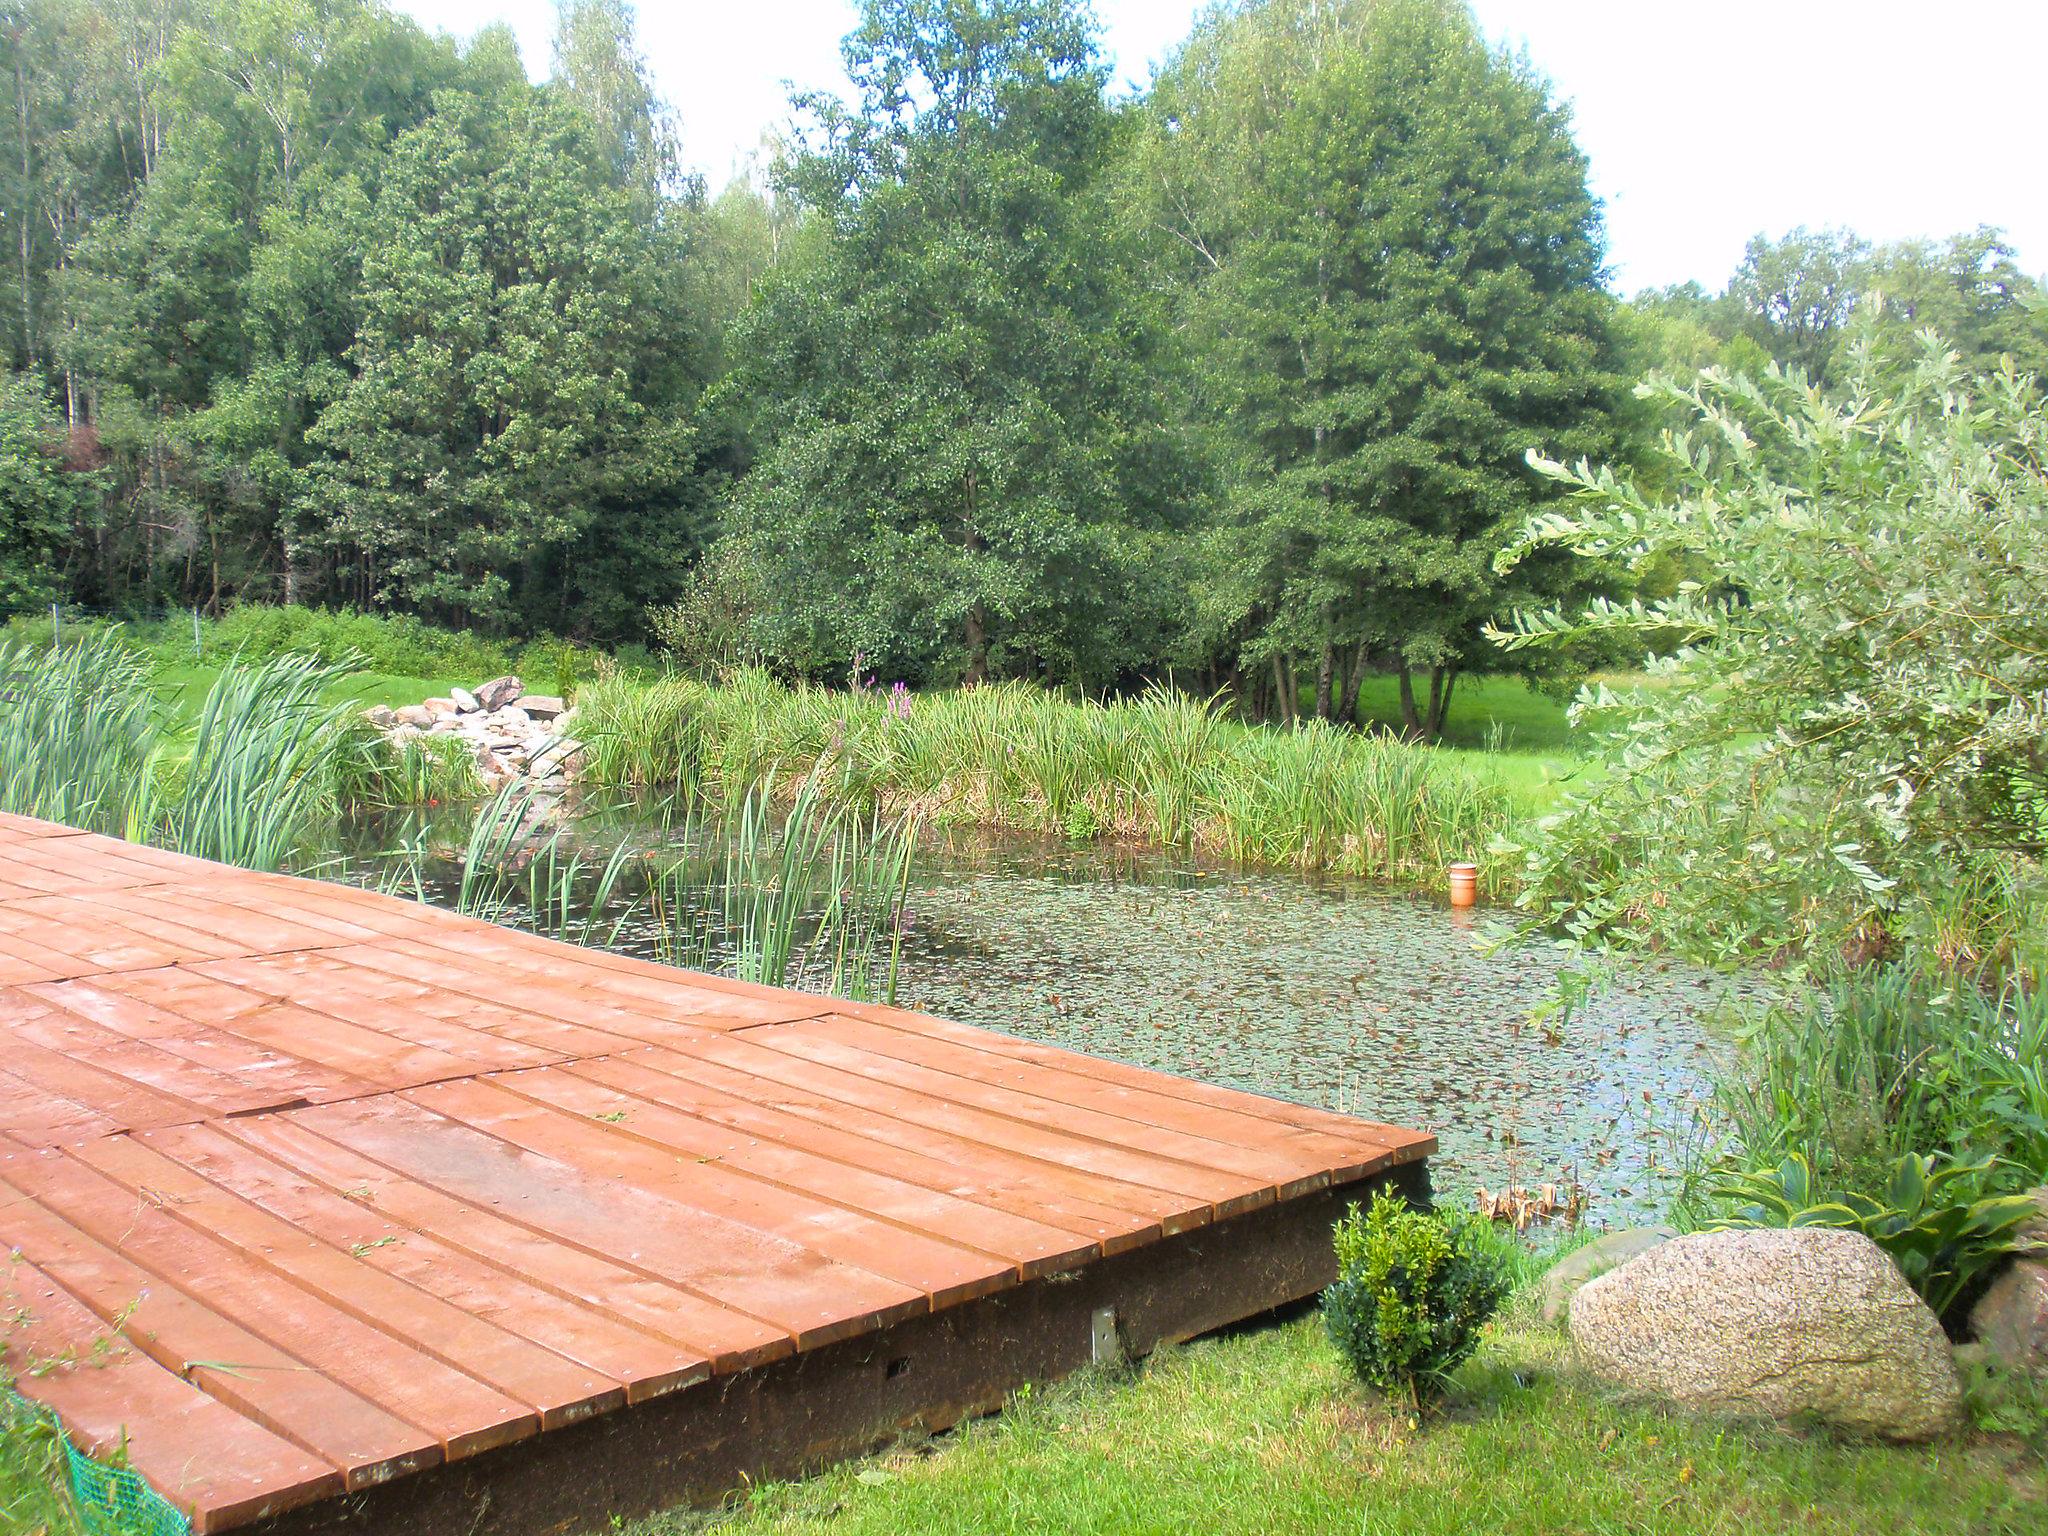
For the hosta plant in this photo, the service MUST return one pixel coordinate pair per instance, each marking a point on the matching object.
(1930, 1218)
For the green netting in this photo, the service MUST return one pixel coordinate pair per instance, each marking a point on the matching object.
(111, 1500)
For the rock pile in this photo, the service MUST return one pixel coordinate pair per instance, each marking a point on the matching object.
(511, 733)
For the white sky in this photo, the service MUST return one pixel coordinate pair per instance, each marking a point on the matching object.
(1705, 122)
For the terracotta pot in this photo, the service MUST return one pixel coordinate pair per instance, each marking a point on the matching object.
(1464, 884)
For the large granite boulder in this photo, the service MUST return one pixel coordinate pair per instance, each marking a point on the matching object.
(1564, 1279)
(1809, 1323)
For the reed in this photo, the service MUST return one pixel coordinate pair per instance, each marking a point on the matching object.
(79, 734)
(811, 897)
(262, 774)
(1162, 768)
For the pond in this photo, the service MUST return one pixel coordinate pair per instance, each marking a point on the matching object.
(1320, 990)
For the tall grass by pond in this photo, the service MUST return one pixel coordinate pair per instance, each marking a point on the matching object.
(1162, 768)
(808, 895)
(85, 741)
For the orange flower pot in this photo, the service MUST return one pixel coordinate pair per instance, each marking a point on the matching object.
(1464, 884)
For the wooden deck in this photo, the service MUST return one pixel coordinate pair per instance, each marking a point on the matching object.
(311, 1189)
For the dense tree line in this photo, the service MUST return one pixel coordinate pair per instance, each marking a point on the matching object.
(992, 374)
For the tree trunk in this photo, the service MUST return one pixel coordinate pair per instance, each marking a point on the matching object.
(975, 629)
(28, 325)
(1411, 717)
(1353, 682)
(1326, 671)
(1440, 707)
(975, 635)
(1283, 688)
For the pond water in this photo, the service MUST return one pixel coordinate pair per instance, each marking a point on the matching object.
(1324, 991)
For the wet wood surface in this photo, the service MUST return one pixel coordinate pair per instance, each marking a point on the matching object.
(310, 1188)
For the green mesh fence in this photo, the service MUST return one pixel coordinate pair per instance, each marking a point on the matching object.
(111, 1500)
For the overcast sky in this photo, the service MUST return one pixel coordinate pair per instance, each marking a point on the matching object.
(1704, 123)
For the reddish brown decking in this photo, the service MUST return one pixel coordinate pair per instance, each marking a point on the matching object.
(309, 1188)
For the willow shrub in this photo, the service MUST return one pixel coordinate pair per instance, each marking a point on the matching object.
(1845, 726)
(1161, 768)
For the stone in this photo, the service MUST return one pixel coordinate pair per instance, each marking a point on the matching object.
(498, 692)
(465, 701)
(2010, 1320)
(1803, 1323)
(381, 716)
(1608, 1251)
(416, 715)
(440, 706)
(540, 706)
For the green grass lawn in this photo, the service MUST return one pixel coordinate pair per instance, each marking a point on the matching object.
(1485, 712)
(1262, 1433)
(183, 687)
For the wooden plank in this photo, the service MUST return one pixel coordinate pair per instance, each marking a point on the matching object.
(1059, 1196)
(37, 1117)
(562, 978)
(457, 1411)
(647, 1364)
(733, 1340)
(943, 1272)
(1405, 1145)
(1048, 1237)
(95, 911)
(865, 1048)
(209, 1461)
(224, 1359)
(559, 1390)
(1258, 1145)
(90, 946)
(29, 1015)
(379, 1059)
(465, 977)
(275, 1076)
(121, 1099)
(1169, 1162)
(1025, 1246)
(23, 960)
(1128, 1181)
(327, 975)
(312, 982)
(810, 1297)
(244, 931)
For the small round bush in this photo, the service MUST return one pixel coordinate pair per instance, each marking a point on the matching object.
(1413, 1289)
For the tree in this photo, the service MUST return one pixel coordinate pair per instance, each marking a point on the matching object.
(514, 367)
(39, 498)
(963, 446)
(1849, 733)
(1393, 270)
(1796, 295)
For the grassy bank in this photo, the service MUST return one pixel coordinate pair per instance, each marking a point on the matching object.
(1162, 769)
(1263, 1434)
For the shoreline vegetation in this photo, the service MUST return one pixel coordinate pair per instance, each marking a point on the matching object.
(1162, 769)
